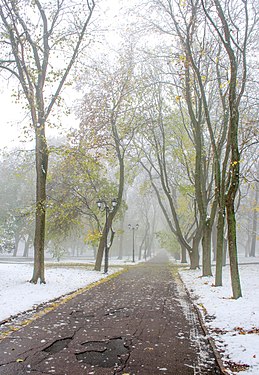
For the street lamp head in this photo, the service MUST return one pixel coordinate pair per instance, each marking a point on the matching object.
(129, 226)
(137, 226)
(114, 202)
(99, 203)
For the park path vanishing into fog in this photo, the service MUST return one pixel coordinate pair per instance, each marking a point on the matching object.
(140, 322)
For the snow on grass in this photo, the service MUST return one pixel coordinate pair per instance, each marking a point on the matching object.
(18, 295)
(234, 324)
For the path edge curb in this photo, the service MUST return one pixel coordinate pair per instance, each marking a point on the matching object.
(219, 360)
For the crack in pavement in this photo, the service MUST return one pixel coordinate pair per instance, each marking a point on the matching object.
(107, 354)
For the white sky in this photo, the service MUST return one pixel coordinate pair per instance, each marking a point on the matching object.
(13, 117)
(10, 116)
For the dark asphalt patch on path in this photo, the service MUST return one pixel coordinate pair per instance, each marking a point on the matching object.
(140, 322)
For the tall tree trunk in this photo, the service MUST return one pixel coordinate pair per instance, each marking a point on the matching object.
(17, 239)
(206, 250)
(26, 247)
(232, 248)
(148, 248)
(41, 177)
(141, 247)
(194, 254)
(183, 254)
(102, 243)
(233, 187)
(254, 225)
(143, 241)
(225, 250)
(219, 249)
(214, 240)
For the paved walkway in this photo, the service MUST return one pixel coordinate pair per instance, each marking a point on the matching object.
(140, 322)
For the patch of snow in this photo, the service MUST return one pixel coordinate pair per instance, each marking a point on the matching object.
(18, 295)
(231, 321)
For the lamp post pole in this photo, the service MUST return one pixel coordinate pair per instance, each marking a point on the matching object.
(103, 206)
(133, 228)
(106, 256)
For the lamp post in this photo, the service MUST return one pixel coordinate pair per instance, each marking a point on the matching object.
(133, 228)
(103, 206)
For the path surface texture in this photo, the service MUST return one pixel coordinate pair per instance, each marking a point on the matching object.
(140, 322)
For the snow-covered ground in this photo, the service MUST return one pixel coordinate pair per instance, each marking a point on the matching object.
(233, 324)
(18, 295)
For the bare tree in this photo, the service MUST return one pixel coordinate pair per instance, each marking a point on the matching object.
(108, 121)
(40, 44)
(232, 24)
(212, 53)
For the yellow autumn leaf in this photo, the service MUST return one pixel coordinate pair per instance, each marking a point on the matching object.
(19, 360)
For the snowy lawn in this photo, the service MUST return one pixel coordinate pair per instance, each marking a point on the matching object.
(234, 324)
(18, 295)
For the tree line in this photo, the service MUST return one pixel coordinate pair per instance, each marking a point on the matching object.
(175, 110)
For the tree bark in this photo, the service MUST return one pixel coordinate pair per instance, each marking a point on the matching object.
(41, 177)
(225, 251)
(17, 239)
(206, 249)
(194, 254)
(214, 241)
(233, 184)
(232, 248)
(219, 248)
(183, 254)
(254, 225)
(26, 247)
(102, 242)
